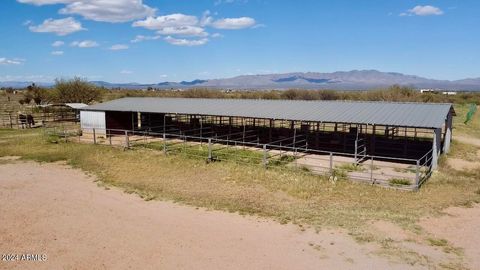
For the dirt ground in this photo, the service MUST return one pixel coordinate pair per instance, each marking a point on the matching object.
(54, 210)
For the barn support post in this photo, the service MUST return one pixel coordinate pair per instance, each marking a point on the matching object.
(448, 134)
(436, 147)
(331, 163)
(417, 174)
(164, 144)
(164, 122)
(371, 170)
(356, 150)
(270, 131)
(294, 134)
(127, 142)
(265, 156)
(209, 149)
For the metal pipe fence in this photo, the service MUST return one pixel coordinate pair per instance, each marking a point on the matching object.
(398, 173)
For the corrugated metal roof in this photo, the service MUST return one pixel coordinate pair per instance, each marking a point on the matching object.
(421, 115)
(76, 105)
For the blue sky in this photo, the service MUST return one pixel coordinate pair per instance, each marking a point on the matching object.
(172, 40)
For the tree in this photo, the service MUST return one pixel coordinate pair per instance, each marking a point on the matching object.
(76, 90)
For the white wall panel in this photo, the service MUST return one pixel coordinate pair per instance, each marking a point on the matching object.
(90, 120)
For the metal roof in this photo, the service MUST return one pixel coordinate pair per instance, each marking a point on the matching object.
(420, 115)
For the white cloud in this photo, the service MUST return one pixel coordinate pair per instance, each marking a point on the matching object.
(423, 11)
(233, 23)
(217, 35)
(183, 31)
(178, 26)
(172, 20)
(126, 72)
(140, 38)
(60, 27)
(118, 47)
(58, 53)
(36, 78)
(58, 43)
(15, 61)
(186, 42)
(84, 44)
(44, 2)
(101, 10)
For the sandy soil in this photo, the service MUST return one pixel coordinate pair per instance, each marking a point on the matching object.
(58, 211)
(460, 226)
(461, 164)
(468, 140)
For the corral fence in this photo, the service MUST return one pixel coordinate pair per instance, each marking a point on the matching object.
(35, 119)
(244, 147)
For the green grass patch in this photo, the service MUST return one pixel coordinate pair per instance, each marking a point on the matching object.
(399, 182)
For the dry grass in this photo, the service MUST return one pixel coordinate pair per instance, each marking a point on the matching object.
(284, 194)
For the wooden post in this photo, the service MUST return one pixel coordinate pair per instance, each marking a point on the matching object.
(94, 137)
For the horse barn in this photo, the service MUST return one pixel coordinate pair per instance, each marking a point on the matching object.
(389, 143)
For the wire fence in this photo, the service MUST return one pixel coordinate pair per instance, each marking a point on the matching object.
(288, 153)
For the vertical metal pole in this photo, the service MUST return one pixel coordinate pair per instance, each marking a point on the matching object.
(164, 123)
(127, 143)
(294, 134)
(94, 137)
(331, 163)
(417, 174)
(209, 149)
(201, 131)
(371, 170)
(356, 150)
(265, 155)
(164, 144)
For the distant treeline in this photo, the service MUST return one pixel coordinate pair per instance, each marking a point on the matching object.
(394, 93)
(80, 90)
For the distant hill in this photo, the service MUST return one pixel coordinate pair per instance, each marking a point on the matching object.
(341, 80)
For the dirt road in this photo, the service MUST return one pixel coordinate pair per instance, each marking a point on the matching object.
(60, 212)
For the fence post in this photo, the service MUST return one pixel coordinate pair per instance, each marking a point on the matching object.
(417, 174)
(265, 155)
(109, 137)
(209, 149)
(65, 134)
(331, 163)
(164, 144)
(127, 143)
(10, 118)
(94, 137)
(371, 171)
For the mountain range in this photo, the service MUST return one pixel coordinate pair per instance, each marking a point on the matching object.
(341, 80)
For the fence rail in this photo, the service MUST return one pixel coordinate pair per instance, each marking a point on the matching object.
(398, 173)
